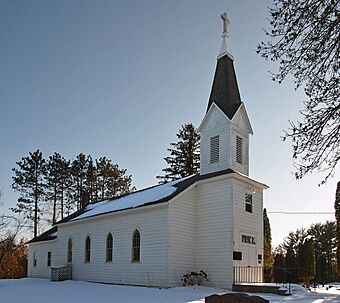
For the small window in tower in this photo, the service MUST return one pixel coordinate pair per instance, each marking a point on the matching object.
(249, 203)
(239, 150)
(214, 149)
(237, 255)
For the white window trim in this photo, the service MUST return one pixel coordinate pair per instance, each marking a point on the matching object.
(247, 203)
(140, 246)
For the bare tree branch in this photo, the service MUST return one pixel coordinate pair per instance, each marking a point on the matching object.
(305, 40)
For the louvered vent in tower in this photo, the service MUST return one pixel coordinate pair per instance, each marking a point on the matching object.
(214, 149)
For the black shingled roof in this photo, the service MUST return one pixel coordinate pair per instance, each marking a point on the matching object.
(46, 236)
(224, 91)
(180, 187)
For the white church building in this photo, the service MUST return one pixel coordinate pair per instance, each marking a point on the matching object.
(212, 221)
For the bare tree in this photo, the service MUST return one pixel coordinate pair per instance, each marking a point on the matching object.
(305, 40)
(8, 236)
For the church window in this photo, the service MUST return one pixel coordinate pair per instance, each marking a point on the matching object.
(109, 247)
(69, 251)
(237, 255)
(49, 255)
(239, 150)
(87, 249)
(249, 203)
(34, 260)
(136, 246)
(248, 239)
(214, 149)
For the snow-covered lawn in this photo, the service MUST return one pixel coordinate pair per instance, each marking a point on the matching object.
(44, 291)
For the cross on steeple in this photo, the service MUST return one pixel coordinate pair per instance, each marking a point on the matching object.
(226, 22)
(225, 35)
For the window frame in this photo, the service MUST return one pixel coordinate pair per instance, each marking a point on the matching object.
(239, 150)
(237, 255)
(248, 205)
(214, 149)
(69, 250)
(87, 257)
(34, 259)
(49, 258)
(136, 246)
(109, 248)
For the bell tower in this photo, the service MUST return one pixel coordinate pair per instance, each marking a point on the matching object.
(225, 128)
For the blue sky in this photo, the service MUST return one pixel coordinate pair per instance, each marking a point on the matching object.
(118, 78)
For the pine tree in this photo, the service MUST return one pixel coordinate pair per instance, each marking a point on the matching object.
(278, 268)
(306, 261)
(184, 155)
(91, 181)
(28, 181)
(57, 179)
(79, 170)
(291, 266)
(267, 248)
(111, 180)
(337, 218)
(65, 183)
(323, 236)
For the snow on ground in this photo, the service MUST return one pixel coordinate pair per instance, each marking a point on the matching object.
(44, 291)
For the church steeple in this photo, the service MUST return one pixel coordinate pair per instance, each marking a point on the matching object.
(224, 91)
(225, 128)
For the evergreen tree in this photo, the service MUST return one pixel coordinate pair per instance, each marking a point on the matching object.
(323, 236)
(184, 155)
(79, 170)
(306, 261)
(65, 183)
(291, 266)
(91, 181)
(28, 181)
(337, 218)
(57, 179)
(278, 268)
(111, 180)
(267, 248)
(294, 239)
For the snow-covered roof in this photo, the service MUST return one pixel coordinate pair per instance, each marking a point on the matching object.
(133, 200)
(148, 196)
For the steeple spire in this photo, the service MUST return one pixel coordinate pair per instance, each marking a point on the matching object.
(225, 35)
(224, 91)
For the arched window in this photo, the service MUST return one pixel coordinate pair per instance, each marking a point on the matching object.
(109, 247)
(136, 246)
(88, 249)
(69, 251)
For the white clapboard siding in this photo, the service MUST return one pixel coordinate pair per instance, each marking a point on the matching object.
(182, 218)
(214, 124)
(41, 249)
(213, 250)
(152, 223)
(248, 223)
